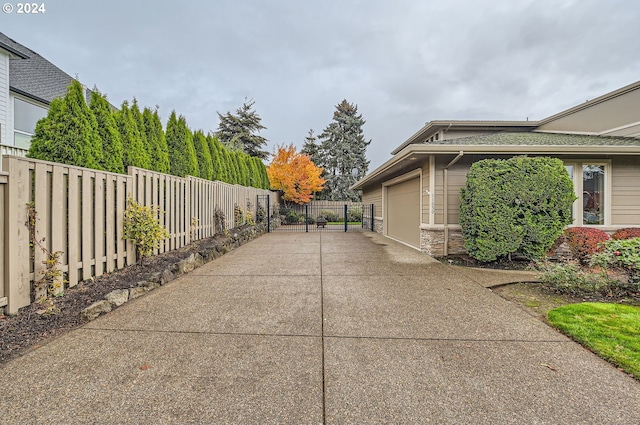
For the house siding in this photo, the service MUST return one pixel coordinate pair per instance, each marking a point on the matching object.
(603, 118)
(625, 191)
(4, 99)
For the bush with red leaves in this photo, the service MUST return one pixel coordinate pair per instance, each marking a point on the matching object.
(628, 233)
(585, 241)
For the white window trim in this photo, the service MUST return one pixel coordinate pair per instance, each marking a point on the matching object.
(578, 212)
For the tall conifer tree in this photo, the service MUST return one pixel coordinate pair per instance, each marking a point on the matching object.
(182, 154)
(157, 148)
(69, 132)
(112, 150)
(343, 153)
(239, 131)
(135, 153)
(203, 154)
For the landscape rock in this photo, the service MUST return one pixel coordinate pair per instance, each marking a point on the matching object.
(166, 277)
(150, 286)
(136, 292)
(96, 309)
(118, 297)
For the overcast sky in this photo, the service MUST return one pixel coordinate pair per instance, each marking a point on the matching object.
(403, 62)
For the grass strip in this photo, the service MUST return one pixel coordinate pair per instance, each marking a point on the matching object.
(610, 330)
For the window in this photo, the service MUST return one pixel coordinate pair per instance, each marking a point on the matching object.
(590, 180)
(25, 117)
(593, 194)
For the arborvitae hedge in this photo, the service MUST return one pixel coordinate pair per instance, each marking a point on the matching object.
(182, 154)
(68, 134)
(520, 205)
(203, 154)
(112, 149)
(135, 153)
(157, 148)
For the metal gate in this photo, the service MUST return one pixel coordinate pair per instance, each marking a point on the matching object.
(323, 218)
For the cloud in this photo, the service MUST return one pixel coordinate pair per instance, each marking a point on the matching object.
(403, 62)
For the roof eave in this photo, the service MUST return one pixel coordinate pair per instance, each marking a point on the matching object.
(453, 149)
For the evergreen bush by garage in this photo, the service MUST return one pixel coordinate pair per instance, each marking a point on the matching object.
(519, 205)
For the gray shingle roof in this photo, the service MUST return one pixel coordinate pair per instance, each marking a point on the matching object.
(530, 138)
(32, 75)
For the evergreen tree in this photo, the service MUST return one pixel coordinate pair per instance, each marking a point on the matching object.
(112, 150)
(135, 153)
(343, 153)
(263, 178)
(243, 159)
(203, 154)
(311, 148)
(216, 166)
(182, 154)
(239, 131)
(157, 148)
(68, 134)
(227, 166)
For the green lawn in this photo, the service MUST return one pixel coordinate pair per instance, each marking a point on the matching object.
(610, 330)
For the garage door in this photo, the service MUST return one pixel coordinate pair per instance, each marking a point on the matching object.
(403, 212)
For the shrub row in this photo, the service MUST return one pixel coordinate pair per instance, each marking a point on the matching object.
(95, 136)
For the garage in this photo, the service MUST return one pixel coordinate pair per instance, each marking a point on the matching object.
(403, 211)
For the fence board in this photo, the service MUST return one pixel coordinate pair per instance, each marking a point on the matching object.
(99, 227)
(73, 245)
(109, 223)
(58, 223)
(17, 286)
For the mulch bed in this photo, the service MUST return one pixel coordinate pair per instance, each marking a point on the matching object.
(28, 328)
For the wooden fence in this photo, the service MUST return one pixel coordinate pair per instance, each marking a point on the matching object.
(80, 213)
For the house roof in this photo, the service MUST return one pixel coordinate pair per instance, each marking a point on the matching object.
(32, 75)
(532, 138)
(506, 143)
(434, 126)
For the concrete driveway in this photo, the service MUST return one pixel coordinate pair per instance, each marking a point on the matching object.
(336, 328)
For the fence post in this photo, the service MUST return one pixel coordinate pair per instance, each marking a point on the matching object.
(268, 213)
(345, 217)
(17, 259)
(306, 218)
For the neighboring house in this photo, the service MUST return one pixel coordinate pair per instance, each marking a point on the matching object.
(417, 192)
(28, 84)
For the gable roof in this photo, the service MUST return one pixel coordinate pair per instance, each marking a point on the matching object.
(32, 75)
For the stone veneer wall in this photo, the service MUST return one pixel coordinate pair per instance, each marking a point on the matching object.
(432, 241)
(377, 225)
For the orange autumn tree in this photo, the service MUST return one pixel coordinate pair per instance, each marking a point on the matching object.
(295, 175)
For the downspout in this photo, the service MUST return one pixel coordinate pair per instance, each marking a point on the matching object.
(446, 203)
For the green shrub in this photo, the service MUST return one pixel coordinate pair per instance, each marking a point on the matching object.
(291, 217)
(585, 241)
(569, 278)
(329, 215)
(519, 205)
(354, 214)
(142, 226)
(620, 254)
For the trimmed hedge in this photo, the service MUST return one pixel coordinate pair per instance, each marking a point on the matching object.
(519, 205)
